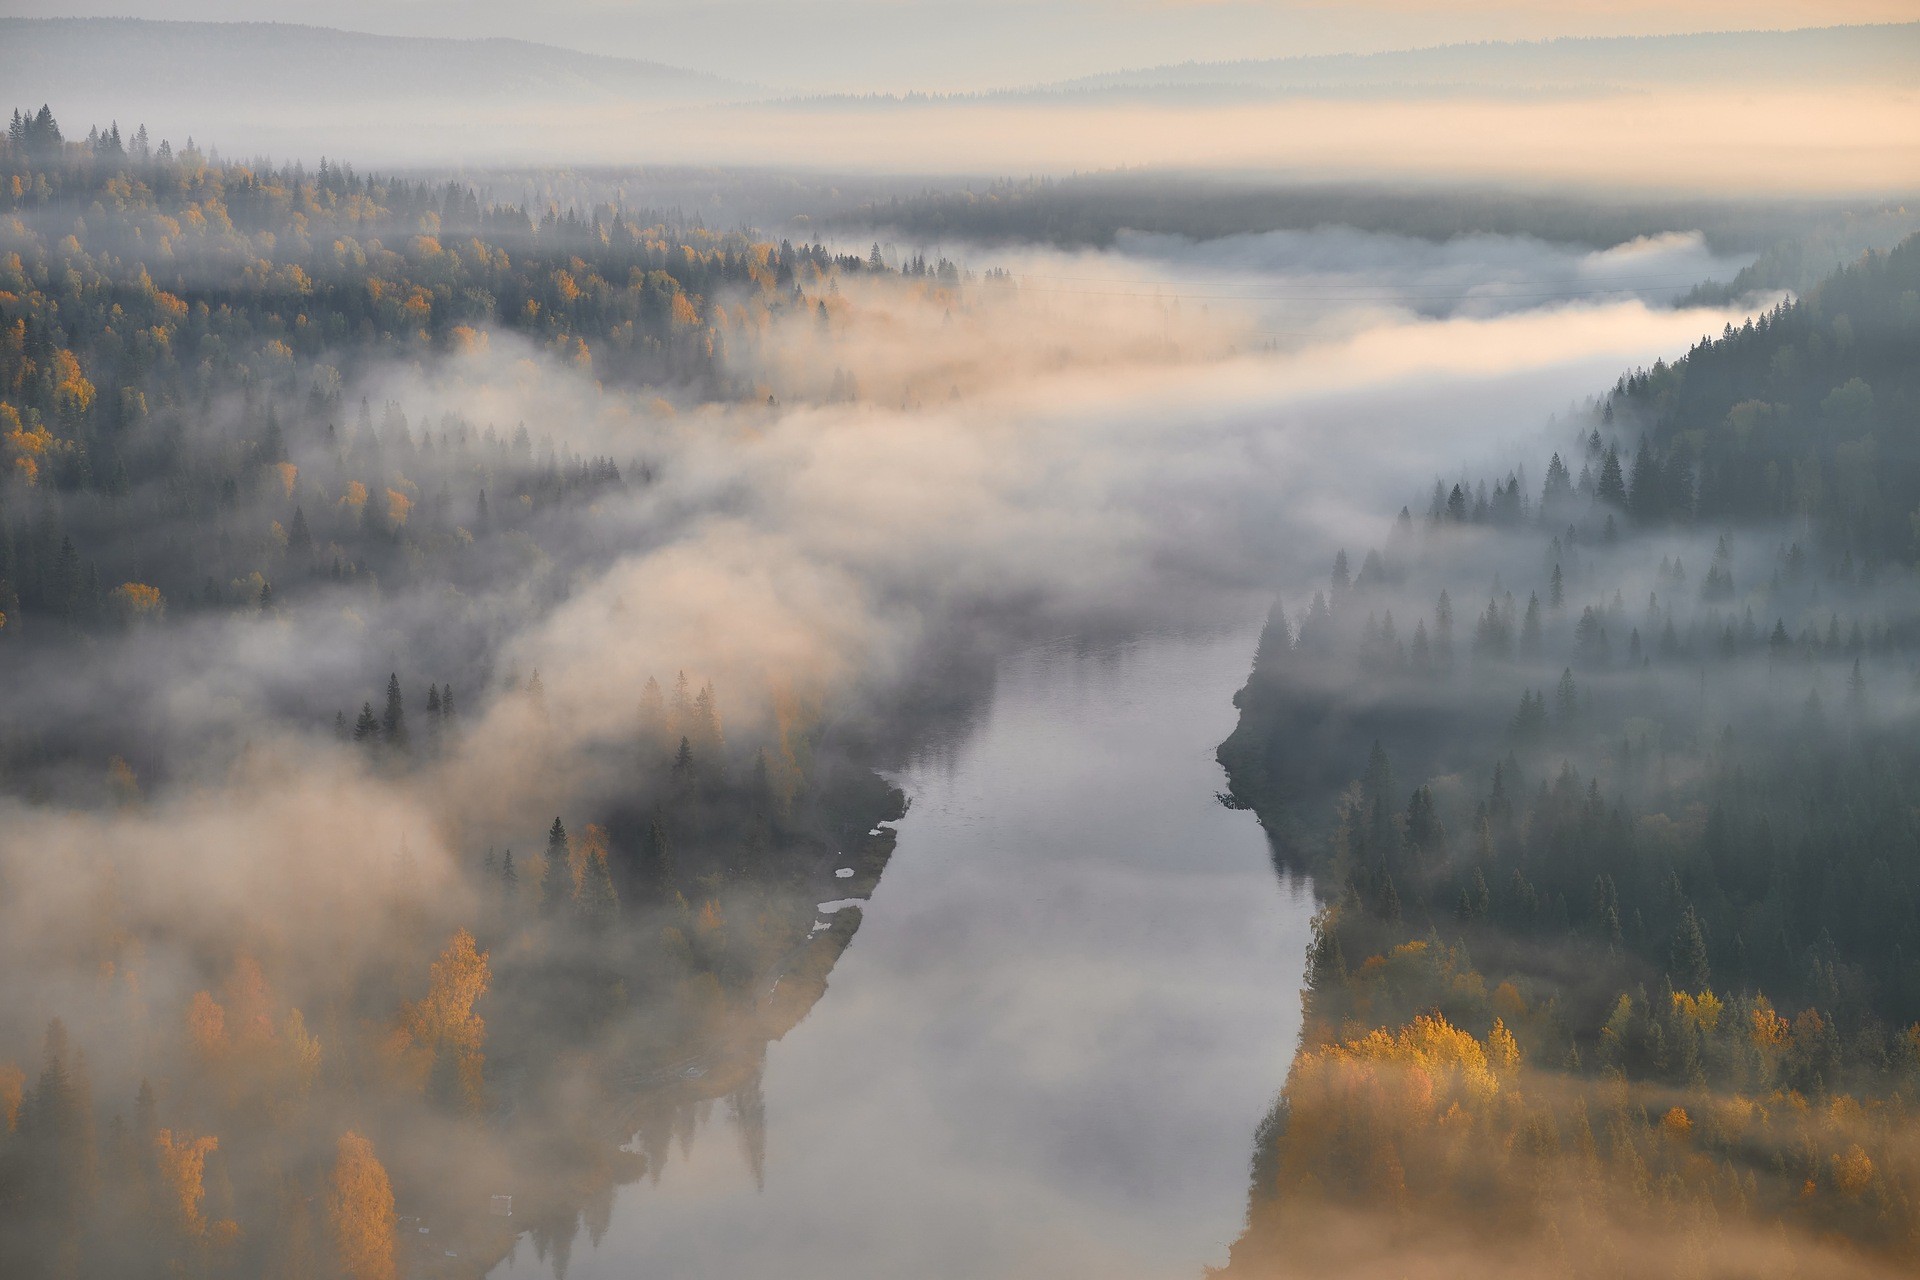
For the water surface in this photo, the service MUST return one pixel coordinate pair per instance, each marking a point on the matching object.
(1047, 1048)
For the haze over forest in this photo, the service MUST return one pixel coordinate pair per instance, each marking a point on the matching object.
(1253, 640)
(1764, 107)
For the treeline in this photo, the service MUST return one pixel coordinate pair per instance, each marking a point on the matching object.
(608, 982)
(1618, 962)
(181, 342)
(1092, 210)
(1805, 413)
(187, 472)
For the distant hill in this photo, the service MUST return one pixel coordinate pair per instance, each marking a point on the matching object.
(96, 68)
(1877, 54)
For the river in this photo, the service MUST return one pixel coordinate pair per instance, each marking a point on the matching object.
(1072, 999)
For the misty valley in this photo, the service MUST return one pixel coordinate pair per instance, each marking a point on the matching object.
(793, 715)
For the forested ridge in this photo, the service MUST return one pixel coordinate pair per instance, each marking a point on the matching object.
(178, 341)
(1097, 209)
(1619, 959)
(339, 1076)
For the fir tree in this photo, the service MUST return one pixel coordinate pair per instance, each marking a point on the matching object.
(1612, 486)
(554, 879)
(1687, 956)
(393, 725)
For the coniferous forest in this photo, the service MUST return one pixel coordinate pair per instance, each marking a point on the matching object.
(1621, 932)
(182, 460)
(617, 624)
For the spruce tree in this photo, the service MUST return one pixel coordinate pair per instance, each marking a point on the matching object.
(1612, 488)
(393, 726)
(656, 859)
(1687, 956)
(554, 887)
(299, 537)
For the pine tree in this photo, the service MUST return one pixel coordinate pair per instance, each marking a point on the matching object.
(299, 537)
(1443, 632)
(707, 737)
(1425, 834)
(1566, 698)
(509, 884)
(595, 902)
(554, 879)
(393, 726)
(1644, 487)
(367, 728)
(1612, 488)
(656, 860)
(1687, 956)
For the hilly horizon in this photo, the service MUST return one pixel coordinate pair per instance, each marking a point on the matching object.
(967, 639)
(277, 60)
(89, 61)
(1850, 54)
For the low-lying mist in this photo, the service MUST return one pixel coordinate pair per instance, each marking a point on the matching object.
(979, 466)
(920, 473)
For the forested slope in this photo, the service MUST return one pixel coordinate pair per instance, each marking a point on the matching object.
(227, 580)
(1619, 965)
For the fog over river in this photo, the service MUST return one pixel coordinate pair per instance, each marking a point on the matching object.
(1075, 991)
(1047, 1049)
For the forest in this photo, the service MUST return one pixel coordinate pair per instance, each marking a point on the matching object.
(1606, 776)
(471, 635)
(191, 1089)
(1096, 209)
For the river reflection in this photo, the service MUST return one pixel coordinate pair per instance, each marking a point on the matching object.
(1047, 1048)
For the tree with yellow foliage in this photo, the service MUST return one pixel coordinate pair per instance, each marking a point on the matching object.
(360, 1217)
(442, 1026)
(182, 1162)
(138, 602)
(13, 1088)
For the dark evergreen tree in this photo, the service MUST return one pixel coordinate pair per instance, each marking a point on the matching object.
(393, 725)
(556, 885)
(1687, 956)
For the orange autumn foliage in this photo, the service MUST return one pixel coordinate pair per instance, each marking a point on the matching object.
(207, 1026)
(28, 440)
(13, 1087)
(72, 393)
(444, 1021)
(135, 600)
(248, 1002)
(360, 1215)
(182, 1162)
